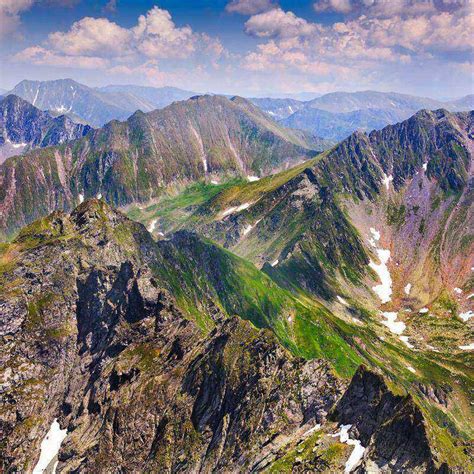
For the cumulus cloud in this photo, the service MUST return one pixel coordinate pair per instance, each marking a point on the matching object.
(99, 42)
(377, 43)
(278, 23)
(92, 37)
(249, 7)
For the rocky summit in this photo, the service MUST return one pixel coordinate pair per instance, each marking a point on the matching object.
(144, 378)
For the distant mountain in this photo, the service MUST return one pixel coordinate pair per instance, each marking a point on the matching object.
(336, 126)
(206, 137)
(336, 115)
(340, 102)
(66, 96)
(96, 106)
(23, 127)
(158, 97)
(278, 108)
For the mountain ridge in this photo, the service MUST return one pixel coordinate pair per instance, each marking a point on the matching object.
(207, 137)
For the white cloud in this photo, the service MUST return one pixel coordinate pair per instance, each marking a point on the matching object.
(391, 8)
(278, 23)
(361, 49)
(249, 7)
(92, 37)
(99, 42)
(156, 36)
(43, 57)
(10, 11)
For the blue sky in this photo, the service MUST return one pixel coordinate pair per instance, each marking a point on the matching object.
(248, 47)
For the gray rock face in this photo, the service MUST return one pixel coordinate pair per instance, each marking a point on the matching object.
(23, 126)
(92, 338)
(391, 426)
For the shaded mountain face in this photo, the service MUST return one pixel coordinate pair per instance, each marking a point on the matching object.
(95, 333)
(65, 96)
(207, 137)
(23, 127)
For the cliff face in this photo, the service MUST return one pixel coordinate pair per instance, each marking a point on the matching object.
(93, 335)
(391, 426)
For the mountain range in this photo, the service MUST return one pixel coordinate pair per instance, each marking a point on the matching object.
(336, 115)
(95, 106)
(263, 300)
(23, 127)
(332, 116)
(209, 137)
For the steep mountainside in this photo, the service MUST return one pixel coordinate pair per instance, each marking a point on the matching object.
(66, 96)
(23, 126)
(411, 183)
(207, 137)
(380, 231)
(116, 335)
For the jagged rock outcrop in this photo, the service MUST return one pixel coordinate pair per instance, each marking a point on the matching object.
(94, 332)
(392, 427)
(93, 338)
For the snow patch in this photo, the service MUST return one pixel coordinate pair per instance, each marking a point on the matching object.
(358, 450)
(99, 196)
(342, 301)
(231, 210)
(152, 226)
(81, 198)
(213, 181)
(470, 296)
(384, 290)
(253, 178)
(466, 316)
(386, 180)
(396, 327)
(375, 237)
(458, 290)
(425, 166)
(275, 263)
(411, 369)
(407, 342)
(247, 229)
(469, 347)
(312, 430)
(19, 145)
(50, 447)
(423, 310)
(407, 289)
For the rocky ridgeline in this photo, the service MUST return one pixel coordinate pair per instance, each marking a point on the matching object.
(92, 337)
